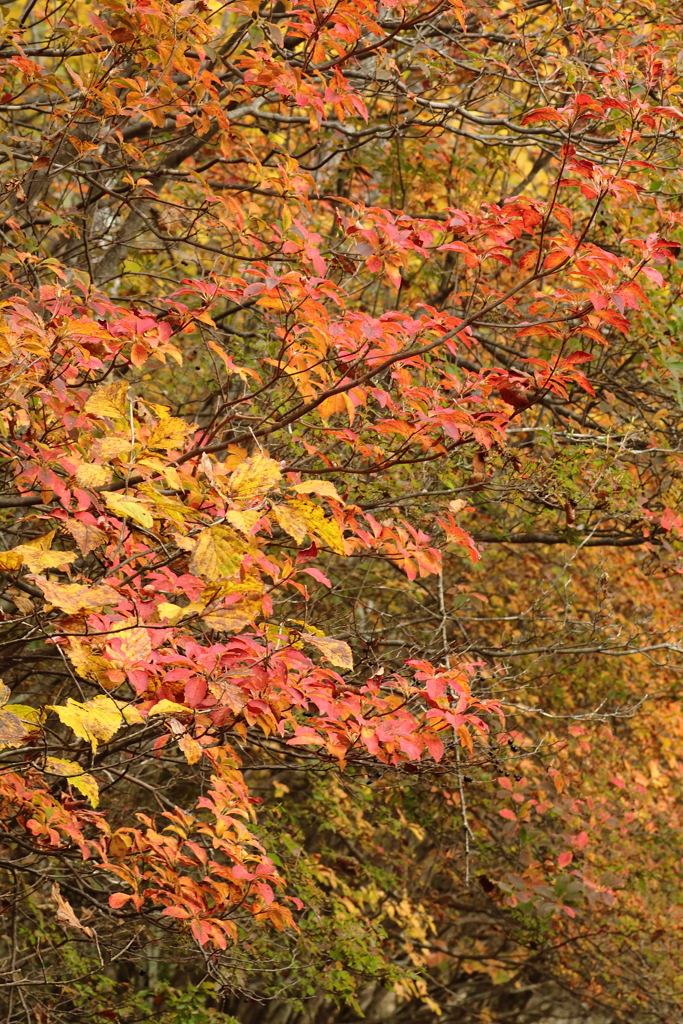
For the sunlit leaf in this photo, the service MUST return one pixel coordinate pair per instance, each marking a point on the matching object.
(96, 720)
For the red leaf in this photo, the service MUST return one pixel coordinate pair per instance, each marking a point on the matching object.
(543, 114)
(119, 899)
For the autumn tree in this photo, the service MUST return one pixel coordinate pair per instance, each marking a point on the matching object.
(340, 444)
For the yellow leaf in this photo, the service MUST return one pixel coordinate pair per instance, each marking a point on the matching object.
(218, 554)
(162, 411)
(298, 518)
(237, 455)
(190, 748)
(12, 729)
(109, 447)
(31, 717)
(170, 432)
(80, 145)
(327, 530)
(170, 473)
(204, 318)
(291, 521)
(336, 404)
(168, 507)
(244, 521)
(43, 543)
(73, 598)
(135, 647)
(323, 488)
(88, 665)
(235, 616)
(72, 770)
(38, 560)
(119, 844)
(129, 508)
(86, 536)
(96, 720)
(184, 543)
(169, 707)
(108, 400)
(10, 560)
(336, 651)
(172, 478)
(36, 555)
(172, 613)
(254, 477)
(92, 475)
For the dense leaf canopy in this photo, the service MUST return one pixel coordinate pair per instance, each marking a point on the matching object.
(340, 442)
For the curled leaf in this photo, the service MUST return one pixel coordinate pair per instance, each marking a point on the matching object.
(169, 707)
(66, 914)
(323, 488)
(82, 781)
